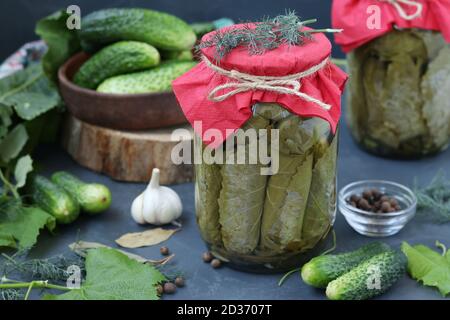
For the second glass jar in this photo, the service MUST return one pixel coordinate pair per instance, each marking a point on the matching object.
(397, 98)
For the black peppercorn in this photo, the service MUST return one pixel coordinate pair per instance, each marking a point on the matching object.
(164, 251)
(367, 194)
(169, 288)
(376, 194)
(393, 202)
(373, 200)
(216, 263)
(363, 204)
(207, 256)
(385, 206)
(179, 282)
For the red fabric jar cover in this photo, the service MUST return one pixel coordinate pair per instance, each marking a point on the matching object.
(352, 15)
(326, 85)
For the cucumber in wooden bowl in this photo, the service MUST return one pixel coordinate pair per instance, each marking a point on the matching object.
(117, 111)
(158, 79)
(119, 58)
(161, 30)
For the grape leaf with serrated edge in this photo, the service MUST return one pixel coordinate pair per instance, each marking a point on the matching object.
(20, 226)
(111, 275)
(428, 266)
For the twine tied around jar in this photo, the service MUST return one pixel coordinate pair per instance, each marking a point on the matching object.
(401, 11)
(289, 84)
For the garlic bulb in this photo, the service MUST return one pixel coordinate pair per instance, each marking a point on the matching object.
(157, 204)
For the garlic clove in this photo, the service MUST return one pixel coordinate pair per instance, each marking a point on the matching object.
(160, 205)
(136, 210)
(151, 209)
(168, 210)
(175, 202)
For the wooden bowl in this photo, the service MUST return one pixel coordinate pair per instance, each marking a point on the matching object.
(117, 111)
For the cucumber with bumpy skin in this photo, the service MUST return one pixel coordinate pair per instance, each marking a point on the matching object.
(92, 197)
(161, 30)
(119, 58)
(54, 200)
(369, 279)
(321, 270)
(158, 79)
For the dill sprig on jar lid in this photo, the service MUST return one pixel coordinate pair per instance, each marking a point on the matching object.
(260, 37)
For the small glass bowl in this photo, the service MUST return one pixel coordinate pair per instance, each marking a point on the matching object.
(374, 224)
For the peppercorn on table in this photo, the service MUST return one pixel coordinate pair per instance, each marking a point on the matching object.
(204, 282)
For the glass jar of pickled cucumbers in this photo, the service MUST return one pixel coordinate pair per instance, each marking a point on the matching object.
(397, 101)
(270, 222)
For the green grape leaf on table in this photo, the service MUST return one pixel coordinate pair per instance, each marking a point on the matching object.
(5, 120)
(111, 275)
(61, 41)
(20, 226)
(29, 92)
(13, 143)
(23, 167)
(428, 266)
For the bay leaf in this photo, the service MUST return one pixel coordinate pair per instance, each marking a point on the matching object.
(146, 238)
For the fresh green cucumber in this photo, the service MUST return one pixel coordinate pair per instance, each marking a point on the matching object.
(161, 30)
(369, 279)
(118, 58)
(321, 270)
(92, 197)
(158, 79)
(54, 200)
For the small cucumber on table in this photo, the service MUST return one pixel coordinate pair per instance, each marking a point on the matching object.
(54, 200)
(321, 270)
(118, 58)
(369, 279)
(92, 197)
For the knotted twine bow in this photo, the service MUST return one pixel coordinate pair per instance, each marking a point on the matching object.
(289, 84)
(401, 11)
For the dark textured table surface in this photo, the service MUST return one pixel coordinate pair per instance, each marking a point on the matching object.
(203, 282)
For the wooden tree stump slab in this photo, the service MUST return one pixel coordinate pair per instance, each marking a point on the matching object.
(126, 156)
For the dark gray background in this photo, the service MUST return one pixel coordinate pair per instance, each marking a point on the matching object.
(18, 17)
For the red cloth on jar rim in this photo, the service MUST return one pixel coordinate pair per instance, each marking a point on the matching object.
(352, 15)
(192, 88)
